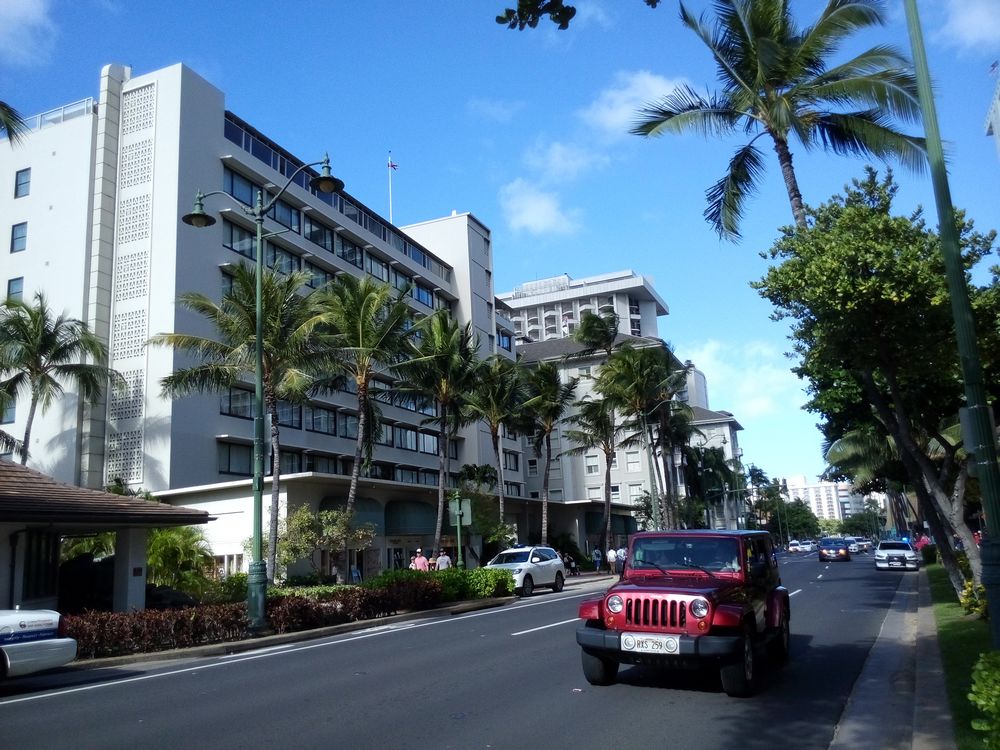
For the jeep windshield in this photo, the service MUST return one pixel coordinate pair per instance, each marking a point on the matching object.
(675, 554)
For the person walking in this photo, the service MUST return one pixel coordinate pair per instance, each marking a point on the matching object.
(612, 559)
(443, 561)
(420, 561)
(596, 557)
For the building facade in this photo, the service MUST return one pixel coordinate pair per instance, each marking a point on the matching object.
(833, 500)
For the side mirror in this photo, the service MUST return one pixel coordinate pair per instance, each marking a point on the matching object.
(536, 559)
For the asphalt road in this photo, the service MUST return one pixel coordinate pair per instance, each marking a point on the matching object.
(499, 678)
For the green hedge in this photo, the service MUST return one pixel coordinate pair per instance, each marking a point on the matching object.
(985, 696)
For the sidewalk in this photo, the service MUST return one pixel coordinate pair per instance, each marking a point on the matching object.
(899, 700)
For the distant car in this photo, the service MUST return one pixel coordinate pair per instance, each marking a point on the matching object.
(892, 555)
(833, 548)
(31, 640)
(532, 567)
(852, 546)
(793, 546)
(807, 546)
(864, 545)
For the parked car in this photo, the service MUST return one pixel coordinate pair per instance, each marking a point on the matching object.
(793, 546)
(807, 546)
(532, 567)
(896, 555)
(31, 640)
(690, 598)
(833, 548)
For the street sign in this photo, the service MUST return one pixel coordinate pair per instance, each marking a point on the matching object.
(466, 511)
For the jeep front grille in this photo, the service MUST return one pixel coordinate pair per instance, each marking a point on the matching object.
(655, 612)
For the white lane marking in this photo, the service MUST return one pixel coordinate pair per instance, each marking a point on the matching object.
(271, 651)
(543, 627)
(797, 591)
(819, 576)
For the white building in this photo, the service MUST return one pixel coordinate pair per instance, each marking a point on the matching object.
(834, 500)
(93, 206)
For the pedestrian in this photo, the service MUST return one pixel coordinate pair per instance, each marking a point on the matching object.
(420, 561)
(573, 569)
(413, 562)
(596, 557)
(621, 560)
(443, 561)
(612, 559)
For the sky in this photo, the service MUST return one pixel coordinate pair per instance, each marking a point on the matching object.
(528, 132)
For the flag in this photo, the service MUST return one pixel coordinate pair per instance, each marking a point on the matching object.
(994, 67)
(393, 166)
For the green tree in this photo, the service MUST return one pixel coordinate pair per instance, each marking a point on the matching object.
(549, 401)
(595, 427)
(529, 12)
(11, 123)
(444, 368)
(38, 351)
(497, 399)
(865, 291)
(596, 333)
(179, 557)
(295, 346)
(307, 532)
(777, 81)
(373, 326)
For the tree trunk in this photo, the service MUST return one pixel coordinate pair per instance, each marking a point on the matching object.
(791, 182)
(495, 437)
(606, 533)
(352, 492)
(27, 428)
(272, 533)
(545, 488)
(962, 530)
(442, 472)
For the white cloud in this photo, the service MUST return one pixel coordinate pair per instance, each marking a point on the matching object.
(494, 110)
(27, 32)
(528, 207)
(592, 13)
(614, 109)
(971, 23)
(559, 162)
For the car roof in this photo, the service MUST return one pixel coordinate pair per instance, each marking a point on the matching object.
(701, 532)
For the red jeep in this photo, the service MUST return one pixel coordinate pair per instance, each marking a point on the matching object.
(695, 598)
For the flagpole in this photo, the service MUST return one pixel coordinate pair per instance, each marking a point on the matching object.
(388, 167)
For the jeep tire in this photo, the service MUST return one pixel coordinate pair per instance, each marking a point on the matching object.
(739, 678)
(597, 669)
(779, 647)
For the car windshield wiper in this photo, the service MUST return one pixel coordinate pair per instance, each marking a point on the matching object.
(674, 566)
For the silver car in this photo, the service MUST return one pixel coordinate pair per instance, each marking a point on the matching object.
(893, 555)
(532, 567)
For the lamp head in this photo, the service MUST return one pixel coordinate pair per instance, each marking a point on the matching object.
(198, 218)
(326, 182)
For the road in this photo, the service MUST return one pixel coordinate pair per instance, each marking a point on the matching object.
(499, 678)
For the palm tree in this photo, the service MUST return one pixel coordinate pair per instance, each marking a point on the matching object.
(549, 400)
(12, 123)
(372, 325)
(497, 400)
(295, 345)
(596, 333)
(776, 81)
(38, 351)
(443, 370)
(597, 429)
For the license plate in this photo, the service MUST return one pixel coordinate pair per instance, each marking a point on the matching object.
(896, 563)
(646, 643)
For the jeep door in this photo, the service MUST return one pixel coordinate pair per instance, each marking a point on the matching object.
(762, 577)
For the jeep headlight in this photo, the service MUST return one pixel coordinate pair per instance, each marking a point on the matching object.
(615, 604)
(698, 608)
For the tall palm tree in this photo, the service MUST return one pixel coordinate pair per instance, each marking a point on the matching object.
(547, 405)
(295, 345)
(443, 370)
(373, 326)
(597, 428)
(597, 333)
(12, 123)
(37, 351)
(776, 80)
(497, 400)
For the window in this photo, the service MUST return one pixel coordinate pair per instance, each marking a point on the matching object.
(291, 462)
(388, 436)
(321, 464)
(318, 233)
(22, 183)
(614, 461)
(428, 443)
(509, 433)
(594, 493)
(511, 461)
(238, 402)
(348, 251)
(289, 415)
(15, 288)
(635, 492)
(616, 493)
(632, 461)
(532, 467)
(512, 489)
(318, 276)
(423, 294)
(281, 260)
(406, 438)
(239, 187)
(399, 279)
(19, 237)
(590, 462)
(235, 459)
(377, 267)
(504, 340)
(555, 495)
(319, 419)
(349, 426)
(226, 287)
(239, 240)
(9, 411)
(583, 372)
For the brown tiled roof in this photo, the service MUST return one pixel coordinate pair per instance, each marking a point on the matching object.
(28, 496)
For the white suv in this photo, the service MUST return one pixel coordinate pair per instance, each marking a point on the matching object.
(532, 567)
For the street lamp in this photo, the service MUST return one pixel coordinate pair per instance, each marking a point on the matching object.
(324, 182)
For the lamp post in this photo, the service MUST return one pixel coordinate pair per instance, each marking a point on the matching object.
(325, 182)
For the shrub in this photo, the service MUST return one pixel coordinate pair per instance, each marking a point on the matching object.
(232, 588)
(408, 589)
(973, 599)
(316, 592)
(100, 634)
(985, 696)
(454, 584)
(487, 583)
(929, 555)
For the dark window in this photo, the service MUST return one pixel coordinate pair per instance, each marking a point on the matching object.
(239, 187)
(511, 461)
(19, 237)
(348, 251)
(289, 415)
(504, 340)
(235, 459)
(15, 288)
(291, 462)
(239, 240)
(321, 464)
(281, 260)
(377, 267)
(428, 443)
(406, 438)
(41, 564)
(387, 437)
(348, 426)
(318, 277)
(322, 420)
(227, 284)
(423, 294)
(286, 215)
(22, 183)
(8, 410)
(238, 402)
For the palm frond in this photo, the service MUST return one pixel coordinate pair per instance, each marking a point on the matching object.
(685, 110)
(870, 134)
(727, 197)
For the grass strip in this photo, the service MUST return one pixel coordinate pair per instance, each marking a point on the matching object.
(962, 638)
